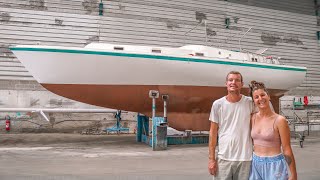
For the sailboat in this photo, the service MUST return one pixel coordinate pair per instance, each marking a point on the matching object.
(121, 76)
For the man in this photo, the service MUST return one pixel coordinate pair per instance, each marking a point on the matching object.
(230, 122)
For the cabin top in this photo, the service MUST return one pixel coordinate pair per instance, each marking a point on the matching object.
(192, 51)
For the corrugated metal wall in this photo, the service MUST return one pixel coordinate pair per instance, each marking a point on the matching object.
(296, 6)
(287, 28)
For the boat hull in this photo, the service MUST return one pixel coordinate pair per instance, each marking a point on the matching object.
(122, 80)
(188, 106)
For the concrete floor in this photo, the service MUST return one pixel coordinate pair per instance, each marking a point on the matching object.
(74, 157)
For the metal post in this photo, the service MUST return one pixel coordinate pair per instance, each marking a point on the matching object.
(205, 26)
(153, 107)
(242, 37)
(153, 94)
(118, 117)
(139, 128)
(165, 99)
(165, 110)
(308, 123)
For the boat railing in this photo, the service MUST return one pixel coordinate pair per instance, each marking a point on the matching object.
(243, 37)
(200, 23)
(227, 39)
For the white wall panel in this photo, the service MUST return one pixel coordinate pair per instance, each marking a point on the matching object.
(288, 28)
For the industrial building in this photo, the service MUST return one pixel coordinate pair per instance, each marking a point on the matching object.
(289, 30)
(286, 29)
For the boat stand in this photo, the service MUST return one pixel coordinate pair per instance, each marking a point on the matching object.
(158, 138)
(117, 127)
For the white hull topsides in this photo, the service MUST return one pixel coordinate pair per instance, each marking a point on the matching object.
(107, 64)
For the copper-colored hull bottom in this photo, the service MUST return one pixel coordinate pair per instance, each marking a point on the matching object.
(188, 106)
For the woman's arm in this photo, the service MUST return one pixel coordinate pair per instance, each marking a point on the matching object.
(284, 132)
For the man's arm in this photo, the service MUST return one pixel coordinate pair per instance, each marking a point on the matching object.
(212, 166)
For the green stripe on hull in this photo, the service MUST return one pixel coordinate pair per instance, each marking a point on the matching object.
(147, 56)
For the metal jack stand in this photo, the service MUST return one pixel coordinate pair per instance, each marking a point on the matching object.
(117, 127)
(158, 135)
(158, 139)
(159, 129)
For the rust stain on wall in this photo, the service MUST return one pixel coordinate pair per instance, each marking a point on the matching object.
(52, 119)
(59, 102)
(93, 39)
(58, 22)
(37, 4)
(211, 32)
(122, 7)
(34, 102)
(171, 25)
(26, 23)
(56, 102)
(200, 16)
(5, 17)
(236, 19)
(90, 5)
(317, 7)
(292, 40)
(6, 5)
(5, 51)
(271, 39)
(236, 28)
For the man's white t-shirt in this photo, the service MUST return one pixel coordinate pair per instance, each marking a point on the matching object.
(233, 119)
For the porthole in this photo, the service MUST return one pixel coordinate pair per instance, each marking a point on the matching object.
(118, 48)
(199, 54)
(156, 50)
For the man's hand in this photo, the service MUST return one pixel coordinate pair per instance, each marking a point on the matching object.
(213, 166)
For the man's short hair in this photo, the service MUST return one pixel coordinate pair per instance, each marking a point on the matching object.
(234, 72)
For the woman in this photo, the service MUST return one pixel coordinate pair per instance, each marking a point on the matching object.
(270, 132)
